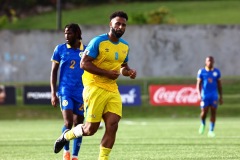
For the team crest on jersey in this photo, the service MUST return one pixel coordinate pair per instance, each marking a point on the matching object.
(80, 54)
(124, 52)
(215, 74)
(64, 103)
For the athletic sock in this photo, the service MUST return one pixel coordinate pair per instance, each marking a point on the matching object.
(203, 121)
(104, 153)
(69, 135)
(74, 133)
(76, 146)
(211, 128)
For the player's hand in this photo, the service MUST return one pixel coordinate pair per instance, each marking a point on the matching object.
(220, 101)
(113, 74)
(132, 73)
(54, 101)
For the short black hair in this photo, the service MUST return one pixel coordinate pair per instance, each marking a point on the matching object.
(75, 28)
(118, 14)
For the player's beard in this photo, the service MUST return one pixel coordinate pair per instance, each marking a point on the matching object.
(117, 34)
(71, 42)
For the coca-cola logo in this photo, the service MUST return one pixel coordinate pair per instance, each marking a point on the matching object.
(182, 95)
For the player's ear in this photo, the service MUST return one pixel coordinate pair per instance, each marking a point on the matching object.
(110, 24)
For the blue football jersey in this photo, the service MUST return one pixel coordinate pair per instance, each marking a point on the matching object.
(209, 81)
(70, 77)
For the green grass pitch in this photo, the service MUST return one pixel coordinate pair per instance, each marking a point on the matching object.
(137, 139)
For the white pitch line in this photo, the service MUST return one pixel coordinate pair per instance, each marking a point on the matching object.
(134, 123)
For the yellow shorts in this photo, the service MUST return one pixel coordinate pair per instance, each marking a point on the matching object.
(98, 101)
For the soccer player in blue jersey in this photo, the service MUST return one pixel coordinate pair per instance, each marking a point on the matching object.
(104, 59)
(66, 57)
(209, 89)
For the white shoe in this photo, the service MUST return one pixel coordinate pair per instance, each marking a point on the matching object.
(211, 134)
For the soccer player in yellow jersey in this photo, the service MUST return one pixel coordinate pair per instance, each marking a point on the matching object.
(104, 59)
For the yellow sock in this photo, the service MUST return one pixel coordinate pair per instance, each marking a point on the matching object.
(104, 153)
(69, 135)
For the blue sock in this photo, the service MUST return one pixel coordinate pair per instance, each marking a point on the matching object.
(66, 147)
(76, 146)
(212, 124)
(203, 122)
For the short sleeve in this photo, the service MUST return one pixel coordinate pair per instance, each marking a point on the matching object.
(93, 48)
(56, 55)
(199, 74)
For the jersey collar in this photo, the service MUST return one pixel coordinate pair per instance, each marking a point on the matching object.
(207, 69)
(80, 47)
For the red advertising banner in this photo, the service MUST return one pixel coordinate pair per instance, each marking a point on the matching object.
(173, 95)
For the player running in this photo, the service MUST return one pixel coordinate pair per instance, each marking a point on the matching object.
(104, 59)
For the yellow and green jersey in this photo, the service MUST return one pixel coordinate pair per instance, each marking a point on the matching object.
(107, 55)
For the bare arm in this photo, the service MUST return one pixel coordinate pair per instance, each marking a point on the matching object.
(199, 88)
(86, 64)
(53, 84)
(220, 91)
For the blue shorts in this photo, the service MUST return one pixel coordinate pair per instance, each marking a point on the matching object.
(209, 101)
(67, 103)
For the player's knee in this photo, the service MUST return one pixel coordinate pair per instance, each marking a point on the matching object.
(77, 123)
(68, 124)
(112, 128)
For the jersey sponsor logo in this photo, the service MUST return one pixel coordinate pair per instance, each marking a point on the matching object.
(210, 80)
(106, 49)
(172, 95)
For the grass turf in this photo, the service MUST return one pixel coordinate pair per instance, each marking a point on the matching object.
(137, 139)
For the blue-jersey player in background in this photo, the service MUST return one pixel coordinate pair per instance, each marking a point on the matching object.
(209, 87)
(66, 57)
